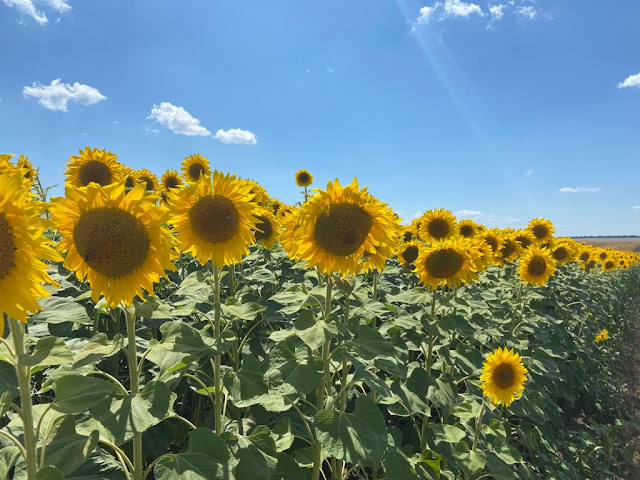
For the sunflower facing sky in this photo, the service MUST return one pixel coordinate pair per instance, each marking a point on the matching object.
(22, 249)
(194, 166)
(447, 263)
(93, 166)
(115, 239)
(303, 178)
(346, 230)
(536, 265)
(437, 225)
(503, 376)
(214, 219)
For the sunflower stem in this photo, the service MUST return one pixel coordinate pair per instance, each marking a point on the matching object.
(434, 299)
(216, 372)
(24, 383)
(130, 314)
(478, 426)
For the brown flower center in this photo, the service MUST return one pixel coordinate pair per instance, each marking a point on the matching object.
(438, 228)
(407, 236)
(609, 265)
(444, 263)
(590, 266)
(95, 171)
(540, 231)
(7, 248)
(129, 182)
(195, 169)
(524, 241)
(560, 253)
(584, 256)
(303, 178)
(151, 185)
(342, 228)
(111, 241)
(508, 249)
(504, 375)
(264, 229)
(410, 253)
(214, 218)
(466, 230)
(492, 242)
(537, 266)
(171, 182)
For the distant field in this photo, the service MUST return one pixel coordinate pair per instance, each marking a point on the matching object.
(628, 244)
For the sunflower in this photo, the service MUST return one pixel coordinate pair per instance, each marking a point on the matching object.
(447, 263)
(129, 176)
(148, 178)
(602, 255)
(503, 376)
(115, 239)
(408, 252)
(541, 229)
(195, 166)
(492, 238)
(22, 249)
(585, 254)
(437, 225)
(289, 226)
(563, 252)
(213, 218)
(467, 228)
(602, 335)
(609, 265)
(170, 180)
(258, 192)
(303, 178)
(93, 166)
(481, 253)
(525, 239)
(590, 265)
(346, 230)
(267, 229)
(510, 249)
(407, 234)
(26, 167)
(536, 265)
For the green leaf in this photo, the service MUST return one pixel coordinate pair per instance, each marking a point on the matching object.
(314, 332)
(97, 348)
(48, 351)
(247, 383)
(370, 344)
(207, 458)
(154, 309)
(359, 437)
(8, 379)
(288, 469)
(447, 433)
(243, 311)
(282, 435)
(195, 287)
(49, 473)
(75, 393)
(5, 402)
(256, 455)
(471, 461)
(68, 450)
(293, 370)
(60, 310)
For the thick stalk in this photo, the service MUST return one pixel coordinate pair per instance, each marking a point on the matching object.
(216, 365)
(24, 382)
(478, 427)
(306, 193)
(345, 365)
(134, 386)
(434, 299)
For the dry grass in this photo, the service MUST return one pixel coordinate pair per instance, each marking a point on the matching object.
(626, 244)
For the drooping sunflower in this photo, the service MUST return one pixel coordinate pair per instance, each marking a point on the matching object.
(346, 230)
(289, 227)
(303, 178)
(260, 195)
(510, 249)
(148, 178)
(115, 239)
(481, 253)
(563, 252)
(170, 180)
(23, 248)
(214, 219)
(437, 225)
(541, 229)
(408, 252)
(194, 166)
(525, 239)
(267, 229)
(602, 335)
(446, 263)
(93, 166)
(467, 228)
(503, 376)
(26, 167)
(536, 265)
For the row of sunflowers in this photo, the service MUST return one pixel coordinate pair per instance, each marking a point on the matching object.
(328, 339)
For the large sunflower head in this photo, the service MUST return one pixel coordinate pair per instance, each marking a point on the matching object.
(437, 225)
(93, 166)
(408, 252)
(115, 239)
(303, 178)
(540, 229)
(194, 166)
(267, 231)
(22, 249)
(503, 376)
(563, 252)
(346, 230)
(213, 218)
(447, 263)
(467, 228)
(170, 180)
(536, 265)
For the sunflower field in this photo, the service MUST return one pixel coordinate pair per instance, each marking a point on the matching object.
(193, 327)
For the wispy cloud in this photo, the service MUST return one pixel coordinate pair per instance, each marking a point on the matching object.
(458, 8)
(329, 69)
(488, 220)
(57, 95)
(637, 207)
(528, 173)
(468, 214)
(60, 5)
(579, 189)
(178, 120)
(527, 11)
(236, 135)
(28, 8)
(497, 11)
(630, 81)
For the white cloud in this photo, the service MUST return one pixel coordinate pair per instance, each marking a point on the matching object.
(529, 172)
(528, 12)
(468, 214)
(329, 69)
(177, 119)
(236, 135)
(28, 8)
(497, 11)
(458, 8)
(630, 81)
(579, 189)
(426, 13)
(57, 95)
(151, 130)
(60, 5)
(637, 207)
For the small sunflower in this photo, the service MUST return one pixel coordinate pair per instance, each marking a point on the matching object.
(129, 176)
(467, 228)
(602, 255)
(437, 225)
(170, 180)
(541, 229)
(260, 195)
(267, 229)
(510, 249)
(589, 265)
(481, 253)
(563, 252)
(194, 166)
(407, 234)
(148, 178)
(408, 252)
(602, 335)
(503, 376)
(115, 239)
(609, 265)
(289, 227)
(26, 167)
(93, 166)
(303, 178)
(214, 219)
(23, 247)
(585, 254)
(492, 238)
(536, 266)
(525, 239)
(446, 263)
(346, 230)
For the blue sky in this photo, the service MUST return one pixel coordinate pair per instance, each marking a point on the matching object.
(500, 111)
